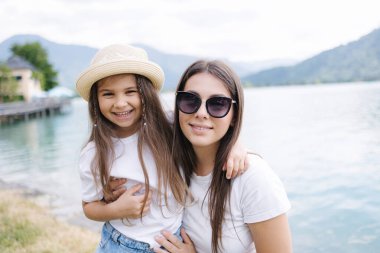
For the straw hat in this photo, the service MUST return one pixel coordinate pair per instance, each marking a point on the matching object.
(119, 59)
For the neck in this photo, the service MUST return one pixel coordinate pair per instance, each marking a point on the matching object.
(125, 132)
(205, 159)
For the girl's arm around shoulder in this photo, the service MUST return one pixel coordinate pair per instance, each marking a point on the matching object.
(237, 160)
(272, 236)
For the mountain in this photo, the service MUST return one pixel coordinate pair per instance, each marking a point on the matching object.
(70, 60)
(355, 61)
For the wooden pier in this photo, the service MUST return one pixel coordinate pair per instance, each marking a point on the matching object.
(9, 112)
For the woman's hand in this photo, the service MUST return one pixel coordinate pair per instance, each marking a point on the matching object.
(117, 189)
(172, 244)
(237, 161)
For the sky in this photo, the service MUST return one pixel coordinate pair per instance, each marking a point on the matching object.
(239, 30)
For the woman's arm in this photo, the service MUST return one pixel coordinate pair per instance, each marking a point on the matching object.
(127, 205)
(272, 236)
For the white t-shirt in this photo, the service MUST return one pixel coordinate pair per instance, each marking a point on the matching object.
(127, 165)
(257, 195)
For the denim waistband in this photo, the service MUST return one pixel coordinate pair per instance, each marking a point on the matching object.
(118, 237)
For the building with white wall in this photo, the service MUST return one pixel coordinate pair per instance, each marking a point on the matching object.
(22, 71)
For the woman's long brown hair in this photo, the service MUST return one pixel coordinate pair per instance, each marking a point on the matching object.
(155, 133)
(220, 187)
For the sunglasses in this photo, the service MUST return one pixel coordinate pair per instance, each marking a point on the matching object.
(217, 107)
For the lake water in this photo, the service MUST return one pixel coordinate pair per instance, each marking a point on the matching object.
(323, 141)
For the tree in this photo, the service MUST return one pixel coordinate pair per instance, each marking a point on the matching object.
(38, 57)
(8, 85)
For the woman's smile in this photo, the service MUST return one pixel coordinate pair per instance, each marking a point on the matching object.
(200, 127)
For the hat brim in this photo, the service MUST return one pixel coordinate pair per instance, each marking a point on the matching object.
(96, 72)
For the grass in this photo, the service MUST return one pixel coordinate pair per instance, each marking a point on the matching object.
(28, 228)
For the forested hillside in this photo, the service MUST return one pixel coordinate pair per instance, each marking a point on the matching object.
(356, 61)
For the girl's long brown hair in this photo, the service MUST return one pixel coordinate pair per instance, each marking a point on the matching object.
(220, 187)
(155, 133)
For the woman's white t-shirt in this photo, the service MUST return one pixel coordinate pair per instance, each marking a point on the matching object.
(127, 165)
(257, 195)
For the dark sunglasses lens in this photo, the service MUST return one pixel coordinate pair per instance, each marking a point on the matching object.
(187, 102)
(218, 107)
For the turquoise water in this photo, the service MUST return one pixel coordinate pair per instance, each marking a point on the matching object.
(323, 141)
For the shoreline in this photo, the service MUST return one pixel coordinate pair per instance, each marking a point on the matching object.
(45, 201)
(26, 226)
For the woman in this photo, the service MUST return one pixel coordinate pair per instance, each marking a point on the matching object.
(246, 214)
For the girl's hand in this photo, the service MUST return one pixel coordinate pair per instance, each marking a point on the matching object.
(172, 244)
(237, 161)
(129, 205)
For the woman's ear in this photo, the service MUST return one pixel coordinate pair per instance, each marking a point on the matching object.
(232, 124)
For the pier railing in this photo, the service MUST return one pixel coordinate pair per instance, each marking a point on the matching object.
(41, 107)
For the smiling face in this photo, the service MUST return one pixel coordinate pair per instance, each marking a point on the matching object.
(120, 102)
(201, 129)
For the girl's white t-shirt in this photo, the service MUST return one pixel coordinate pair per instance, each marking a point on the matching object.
(257, 195)
(127, 165)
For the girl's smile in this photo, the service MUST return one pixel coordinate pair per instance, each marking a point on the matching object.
(123, 115)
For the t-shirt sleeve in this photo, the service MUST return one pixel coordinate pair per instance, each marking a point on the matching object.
(263, 196)
(91, 191)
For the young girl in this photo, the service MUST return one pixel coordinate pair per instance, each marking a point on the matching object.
(247, 214)
(130, 138)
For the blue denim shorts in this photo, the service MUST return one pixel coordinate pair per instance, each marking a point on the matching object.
(112, 241)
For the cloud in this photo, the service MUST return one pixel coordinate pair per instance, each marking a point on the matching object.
(239, 30)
